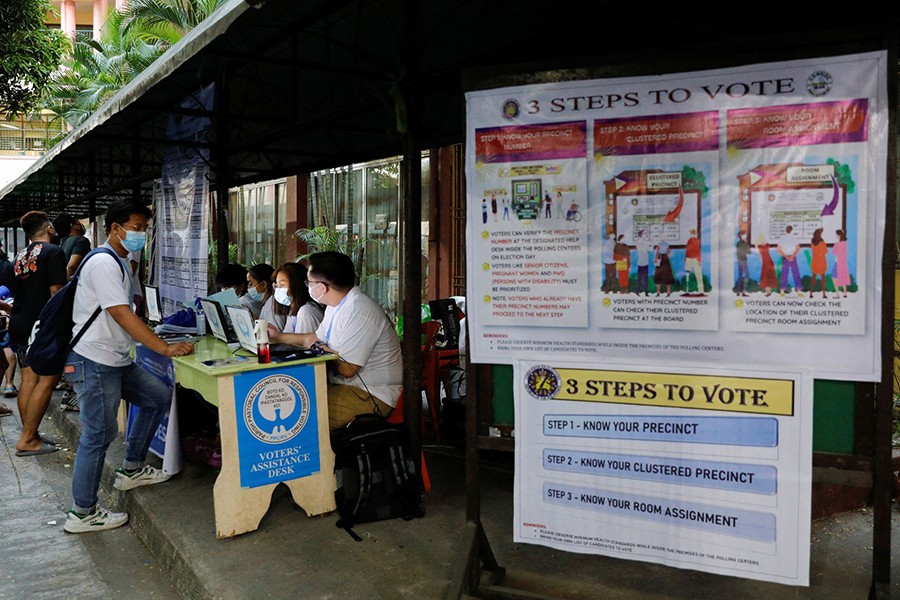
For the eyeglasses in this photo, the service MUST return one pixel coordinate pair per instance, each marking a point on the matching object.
(132, 227)
(309, 283)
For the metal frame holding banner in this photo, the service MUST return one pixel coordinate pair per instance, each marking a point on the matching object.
(723, 217)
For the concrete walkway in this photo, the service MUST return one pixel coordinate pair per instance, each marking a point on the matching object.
(293, 556)
(37, 559)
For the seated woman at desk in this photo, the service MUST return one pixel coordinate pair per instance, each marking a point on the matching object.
(258, 276)
(292, 301)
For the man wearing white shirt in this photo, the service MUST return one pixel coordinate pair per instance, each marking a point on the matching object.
(101, 370)
(368, 376)
(788, 248)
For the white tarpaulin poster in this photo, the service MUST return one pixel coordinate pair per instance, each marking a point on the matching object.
(723, 217)
(182, 209)
(698, 470)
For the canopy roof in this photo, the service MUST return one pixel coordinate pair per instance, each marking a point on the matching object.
(312, 84)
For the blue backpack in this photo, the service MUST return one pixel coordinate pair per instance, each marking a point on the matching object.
(51, 336)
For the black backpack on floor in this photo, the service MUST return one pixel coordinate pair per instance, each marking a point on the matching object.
(376, 475)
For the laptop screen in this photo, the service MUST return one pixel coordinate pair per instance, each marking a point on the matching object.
(242, 321)
(215, 318)
(154, 307)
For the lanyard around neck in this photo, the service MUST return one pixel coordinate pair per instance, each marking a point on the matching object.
(333, 317)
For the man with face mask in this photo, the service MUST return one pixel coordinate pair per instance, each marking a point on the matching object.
(102, 372)
(368, 376)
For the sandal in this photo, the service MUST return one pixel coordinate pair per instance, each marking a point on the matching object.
(10, 391)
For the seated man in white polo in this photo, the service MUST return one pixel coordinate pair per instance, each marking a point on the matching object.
(368, 376)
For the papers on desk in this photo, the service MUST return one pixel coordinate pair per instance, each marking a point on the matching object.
(224, 362)
(168, 331)
(172, 338)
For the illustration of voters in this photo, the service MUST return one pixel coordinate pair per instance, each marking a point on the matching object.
(608, 256)
(368, 375)
(792, 267)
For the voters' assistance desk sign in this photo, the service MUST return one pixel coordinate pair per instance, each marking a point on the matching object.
(692, 470)
(277, 425)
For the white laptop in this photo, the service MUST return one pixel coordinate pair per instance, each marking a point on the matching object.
(216, 319)
(153, 304)
(242, 321)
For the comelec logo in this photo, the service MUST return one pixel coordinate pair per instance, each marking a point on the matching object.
(819, 83)
(542, 382)
(510, 110)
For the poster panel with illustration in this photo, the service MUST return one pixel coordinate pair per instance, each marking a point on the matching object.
(733, 216)
(531, 240)
(658, 204)
(694, 469)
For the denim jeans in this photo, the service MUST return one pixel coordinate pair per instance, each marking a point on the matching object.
(99, 388)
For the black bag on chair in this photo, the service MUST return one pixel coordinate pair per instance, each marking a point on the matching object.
(376, 475)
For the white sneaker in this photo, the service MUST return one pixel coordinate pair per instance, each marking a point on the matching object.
(99, 520)
(144, 476)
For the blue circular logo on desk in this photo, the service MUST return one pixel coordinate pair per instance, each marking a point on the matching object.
(276, 409)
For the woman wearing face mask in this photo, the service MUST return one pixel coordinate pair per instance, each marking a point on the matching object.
(292, 298)
(259, 288)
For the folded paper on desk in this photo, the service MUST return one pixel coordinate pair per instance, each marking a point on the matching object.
(224, 362)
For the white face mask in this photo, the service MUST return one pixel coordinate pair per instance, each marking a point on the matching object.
(282, 296)
(324, 291)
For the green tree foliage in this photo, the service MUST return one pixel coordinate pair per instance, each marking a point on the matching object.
(843, 174)
(97, 69)
(694, 180)
(130, 41)
(167, 21)
(29, 54)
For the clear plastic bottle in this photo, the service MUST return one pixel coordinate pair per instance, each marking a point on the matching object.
(261, 331)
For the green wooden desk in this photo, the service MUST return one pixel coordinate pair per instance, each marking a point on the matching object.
(240, 509)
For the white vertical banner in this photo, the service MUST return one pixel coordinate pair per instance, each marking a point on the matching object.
(694, 469)
(182, 208)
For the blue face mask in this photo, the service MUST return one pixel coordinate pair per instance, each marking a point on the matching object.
(255, 294)
(282, 296)
(134, 240)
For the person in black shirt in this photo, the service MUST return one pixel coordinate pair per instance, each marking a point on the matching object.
(72, 241)
(39, 272)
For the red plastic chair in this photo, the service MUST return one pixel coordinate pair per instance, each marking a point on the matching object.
(396, 417)
(430, 379)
